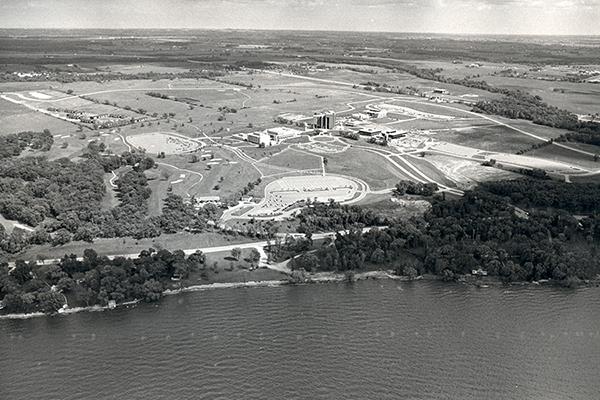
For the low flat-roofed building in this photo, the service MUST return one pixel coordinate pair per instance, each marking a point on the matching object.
(259, 138)
(280, 133)
(389, 135)
(360, 116)
(370, 131)
(374, 113)
(207, 199)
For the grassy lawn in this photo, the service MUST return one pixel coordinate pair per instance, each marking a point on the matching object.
(29, 120)
(294, 159)
(114, 246)
(259, 153)
(372, 168)
(235, 172)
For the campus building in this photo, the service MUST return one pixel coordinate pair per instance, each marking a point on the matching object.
(259, 138)
(324, 120)
(280, 133)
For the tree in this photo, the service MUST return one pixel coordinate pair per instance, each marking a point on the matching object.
(62, 236)
(236, 252)
(254, 256)
(50, 302)
(308, 262)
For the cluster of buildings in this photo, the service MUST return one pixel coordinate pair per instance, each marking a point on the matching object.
(98, 120)
(271, 135)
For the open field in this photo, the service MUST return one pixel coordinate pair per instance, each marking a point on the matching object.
(388, 206)
(379, 174)
(294, 160)
(427, 107)
(561, 154)
(15, 118)
(145, 68)
(171, 242)
(578, 98)
(490, 138)
(235, 173)
(257, 153)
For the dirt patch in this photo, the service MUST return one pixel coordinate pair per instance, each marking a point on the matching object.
(467, 174)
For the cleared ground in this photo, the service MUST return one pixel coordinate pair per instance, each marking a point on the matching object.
(467, 174)
(160, 142)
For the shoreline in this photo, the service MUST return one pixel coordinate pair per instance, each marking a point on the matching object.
(309, 278)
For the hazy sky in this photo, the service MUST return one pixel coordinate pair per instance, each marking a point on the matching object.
(437, 16)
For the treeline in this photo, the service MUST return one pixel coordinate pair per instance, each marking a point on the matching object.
(415, 188)
(479, 231)
(94, 280)
(572, 197)
(517, 104)
(67, 77)
(12, 145)
(335, 217)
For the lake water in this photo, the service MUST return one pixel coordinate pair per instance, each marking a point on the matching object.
(368, 340)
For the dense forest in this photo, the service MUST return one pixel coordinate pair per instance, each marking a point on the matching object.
(479, 231)
(94, 280)
(62, 198)
(574, 198)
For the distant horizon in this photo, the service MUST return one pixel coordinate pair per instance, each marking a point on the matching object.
(443, 17)
(301, 30)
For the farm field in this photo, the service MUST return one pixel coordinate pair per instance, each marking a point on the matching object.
(529, 127)
(561, 154)
(489, 138)
(577, 98)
